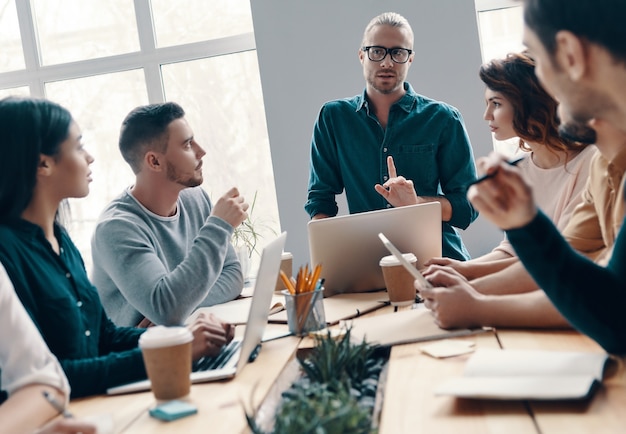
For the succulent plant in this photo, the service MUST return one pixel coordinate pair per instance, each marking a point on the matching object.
(336, 393)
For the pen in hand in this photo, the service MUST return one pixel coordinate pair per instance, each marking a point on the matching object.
(492, 174)
(57, 405)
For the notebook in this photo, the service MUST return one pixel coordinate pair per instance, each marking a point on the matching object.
(257, 320)
(349, 249)
(527, 375)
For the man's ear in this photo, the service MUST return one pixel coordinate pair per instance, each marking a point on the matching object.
(571, 54)
(153, 161)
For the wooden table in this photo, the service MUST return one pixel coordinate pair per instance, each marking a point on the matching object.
(220, 404)
(605, 412)
(410, 405)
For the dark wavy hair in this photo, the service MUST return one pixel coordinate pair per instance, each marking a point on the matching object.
(29, 127)
(535, 116)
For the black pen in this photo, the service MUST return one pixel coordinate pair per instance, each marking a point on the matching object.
(492, 174)
(57, 405)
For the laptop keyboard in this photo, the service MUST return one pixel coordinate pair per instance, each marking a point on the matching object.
(219, 361)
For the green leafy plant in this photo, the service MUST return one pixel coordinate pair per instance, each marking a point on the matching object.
(248, 233)
(321, 408)
(336, 393)
(340, 359)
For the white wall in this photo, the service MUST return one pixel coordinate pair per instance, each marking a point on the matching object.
(307, 54)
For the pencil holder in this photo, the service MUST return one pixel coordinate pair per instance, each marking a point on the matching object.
(305, 311)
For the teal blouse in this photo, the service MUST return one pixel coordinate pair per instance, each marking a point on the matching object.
(65, 307)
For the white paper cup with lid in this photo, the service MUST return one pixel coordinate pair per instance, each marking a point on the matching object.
(398, 280)
(167, 356)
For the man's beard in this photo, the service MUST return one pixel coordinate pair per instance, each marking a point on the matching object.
(387, 89)
(577, 132)
(190, 181)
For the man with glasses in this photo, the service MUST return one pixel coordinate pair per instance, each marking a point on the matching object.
(390, 146)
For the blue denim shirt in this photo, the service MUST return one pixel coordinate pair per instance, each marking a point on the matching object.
(427, 140)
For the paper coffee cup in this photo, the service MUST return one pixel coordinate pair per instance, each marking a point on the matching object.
(167, 357)
(398, 280)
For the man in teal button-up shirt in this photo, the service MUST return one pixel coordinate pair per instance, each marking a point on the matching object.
(353, 139)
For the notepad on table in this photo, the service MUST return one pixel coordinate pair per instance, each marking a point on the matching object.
(527, 374)
(403, 327)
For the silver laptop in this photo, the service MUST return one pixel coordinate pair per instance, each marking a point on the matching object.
(349, 249)
(255, 326)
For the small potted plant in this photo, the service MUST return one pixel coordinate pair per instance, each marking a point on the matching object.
(246, 237)
(336, 392)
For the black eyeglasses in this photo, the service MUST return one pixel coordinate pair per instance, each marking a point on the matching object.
(376, 53)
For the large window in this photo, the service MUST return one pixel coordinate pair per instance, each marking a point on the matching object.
(101, 59)
(500, 25)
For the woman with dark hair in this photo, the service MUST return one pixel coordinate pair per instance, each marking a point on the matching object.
(517, 106)
(43, 163)
(27, 371)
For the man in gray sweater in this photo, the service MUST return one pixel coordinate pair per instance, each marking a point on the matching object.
(161, 249)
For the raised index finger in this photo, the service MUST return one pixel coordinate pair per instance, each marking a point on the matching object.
(391, 168)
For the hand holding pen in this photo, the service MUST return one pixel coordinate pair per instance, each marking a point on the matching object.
(507, 199)
(58, 406)
(67, 425)
(493, 173)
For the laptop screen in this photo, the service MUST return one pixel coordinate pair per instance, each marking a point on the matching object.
(349, 249)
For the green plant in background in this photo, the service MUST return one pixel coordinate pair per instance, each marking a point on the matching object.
(248, 233)
(336, 393)
(321, 408)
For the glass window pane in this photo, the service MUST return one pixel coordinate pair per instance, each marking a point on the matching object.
(224, 104)
(15, 91)
(175, 24)
(12, 58)
(99, 112)
(74, 30)
(500, 34)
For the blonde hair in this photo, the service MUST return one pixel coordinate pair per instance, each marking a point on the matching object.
(392, 19)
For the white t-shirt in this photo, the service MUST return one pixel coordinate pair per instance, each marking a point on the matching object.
(24, 356)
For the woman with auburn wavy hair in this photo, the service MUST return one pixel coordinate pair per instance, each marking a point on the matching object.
(518, 106)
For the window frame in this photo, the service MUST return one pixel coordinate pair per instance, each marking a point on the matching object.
(149, 58)
(490, 5)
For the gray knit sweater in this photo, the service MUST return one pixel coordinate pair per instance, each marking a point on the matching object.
(163, 268)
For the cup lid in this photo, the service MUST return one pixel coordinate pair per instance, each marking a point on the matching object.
(391, 260)
(162, 336)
